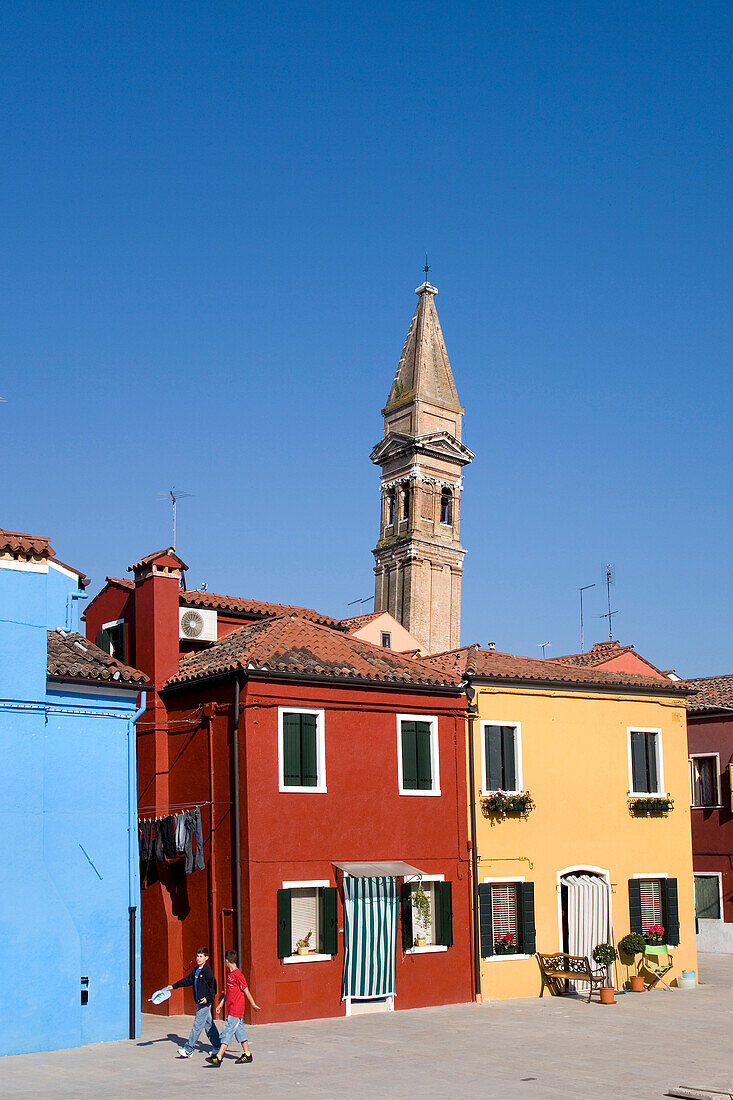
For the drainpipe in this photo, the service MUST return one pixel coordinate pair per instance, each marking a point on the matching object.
(237, 825)
(132, 859)
(472, 714)
(70, 607)
(208, 717)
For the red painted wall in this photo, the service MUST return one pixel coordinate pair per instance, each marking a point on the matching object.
(712, 830)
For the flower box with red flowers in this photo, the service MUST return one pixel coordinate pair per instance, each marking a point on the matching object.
(506, 944)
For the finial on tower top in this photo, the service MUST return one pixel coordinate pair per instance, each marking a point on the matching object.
(426, 287)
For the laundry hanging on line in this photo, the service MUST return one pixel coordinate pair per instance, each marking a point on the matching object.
(168, 838)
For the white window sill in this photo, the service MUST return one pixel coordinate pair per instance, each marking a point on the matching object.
(504, 958)
(426, 950)
(647, 794)
(422, 794)
(713, 806)
(303, 790)
(486, 793)
(314, 958)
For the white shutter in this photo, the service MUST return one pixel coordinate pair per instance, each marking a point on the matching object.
(504, 908)
(650, 890)
(304, 916)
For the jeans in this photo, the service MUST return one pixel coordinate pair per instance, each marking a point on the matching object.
(233, 1029)
(203, 1019)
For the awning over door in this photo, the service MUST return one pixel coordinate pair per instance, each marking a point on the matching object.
(389, 869)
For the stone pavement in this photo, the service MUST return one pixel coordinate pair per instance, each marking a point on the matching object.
(556, 1047)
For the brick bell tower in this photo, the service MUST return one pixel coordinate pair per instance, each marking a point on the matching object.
(419, 557)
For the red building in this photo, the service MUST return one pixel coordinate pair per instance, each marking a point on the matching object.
(330, 774)
(710, 741)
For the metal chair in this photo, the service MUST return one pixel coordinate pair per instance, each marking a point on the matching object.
(658, 966)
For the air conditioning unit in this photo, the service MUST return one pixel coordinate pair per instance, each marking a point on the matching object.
(197, 624)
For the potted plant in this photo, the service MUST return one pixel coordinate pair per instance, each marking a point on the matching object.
(634, 944)
(303, 946)
(654, 940)
(421, 913)
(654, 804)
(506, 944)
(605, 955)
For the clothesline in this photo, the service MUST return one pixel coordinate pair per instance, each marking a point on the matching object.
(145, 811)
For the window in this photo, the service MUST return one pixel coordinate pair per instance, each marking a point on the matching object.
(303, 908)
(650, 893)
(302, 759)
(386, 640)
(111, 638)
(645, 754)
(391, 503)
(653, 899)
(501, 757)
(708, 891)
(437, 931)
(704, 780)
(506, 909)
(446, 507)
(406, 501)
(417, 754)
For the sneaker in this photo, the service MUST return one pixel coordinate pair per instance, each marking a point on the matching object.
(214, 1060)
(243, 1058)
(183, 1053)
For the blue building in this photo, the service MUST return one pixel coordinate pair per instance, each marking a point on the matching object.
(69, 889)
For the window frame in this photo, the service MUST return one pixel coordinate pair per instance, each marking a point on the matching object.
(718, 805)
(518, 771)
(503, 880)
(660, 762)
(320, 787)
(432, 720)
(388, 635)
(655, 876)
(446, 493)
(710, 874)
(308, 884)
(429, 948)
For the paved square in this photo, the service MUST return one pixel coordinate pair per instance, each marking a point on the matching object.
(556, 1047)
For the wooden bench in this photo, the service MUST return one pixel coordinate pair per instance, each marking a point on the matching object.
(560, 967)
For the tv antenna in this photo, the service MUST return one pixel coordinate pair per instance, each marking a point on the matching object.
(174, 495)
(609, 578)
(361, 604)
(543, 646)
(582, 637)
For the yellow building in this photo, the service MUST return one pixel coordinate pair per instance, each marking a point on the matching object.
(592, 859)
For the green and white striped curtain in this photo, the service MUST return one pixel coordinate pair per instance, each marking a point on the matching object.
(370, 936)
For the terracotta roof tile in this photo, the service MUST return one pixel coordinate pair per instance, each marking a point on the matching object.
(355, 622)
(294, 644)
(166, 552)
(16, 542)
(73, 657)
(490, 664)
(260, 608)
(601, 652)
(712, 693)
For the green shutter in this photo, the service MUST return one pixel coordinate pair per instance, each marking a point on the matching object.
(308, 750)
(292, 775)
(651, 763)
(635, 905)
(424, 765)
(638, 762)
(525, 892)
(444, 913)
(486, 928)
(284, 935)
(508, 753)
(103, 640)
(670, 912)
(409, 756)
(328, 912)
(493, 758)
(408, 936)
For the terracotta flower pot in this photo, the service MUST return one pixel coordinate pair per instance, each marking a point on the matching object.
(607, 997)
(636, 983)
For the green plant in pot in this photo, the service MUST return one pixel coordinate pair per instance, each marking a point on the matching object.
(632, 945)
(605, 955)
(421, 912)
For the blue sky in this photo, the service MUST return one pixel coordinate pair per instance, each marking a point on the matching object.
(214, 219)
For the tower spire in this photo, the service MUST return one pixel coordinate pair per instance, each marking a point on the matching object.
(419, 554)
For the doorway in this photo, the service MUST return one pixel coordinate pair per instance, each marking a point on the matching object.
(585, 912)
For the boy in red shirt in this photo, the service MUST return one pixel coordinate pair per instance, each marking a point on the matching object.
(236, 991)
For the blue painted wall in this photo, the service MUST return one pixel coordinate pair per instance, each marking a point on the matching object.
(69, 821)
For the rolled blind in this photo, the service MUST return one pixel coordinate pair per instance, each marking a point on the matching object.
(504, 908)
(650, 893)
(304, 916)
